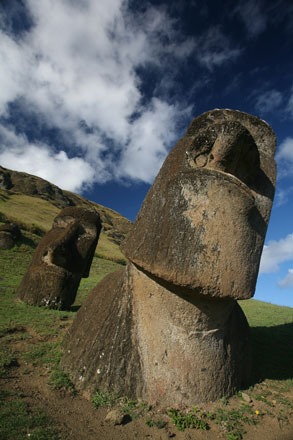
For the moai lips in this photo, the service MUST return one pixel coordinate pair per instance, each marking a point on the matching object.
(203, 223)
(62, 258)
(167, 329)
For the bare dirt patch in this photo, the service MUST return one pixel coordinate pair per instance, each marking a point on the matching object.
(76, 418)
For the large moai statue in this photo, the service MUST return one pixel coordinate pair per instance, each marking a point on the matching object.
(62, 258)
(168, 329)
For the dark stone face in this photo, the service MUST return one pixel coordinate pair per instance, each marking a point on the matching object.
(77, 239)
(62, 258)
(9, 234)
(203, 222)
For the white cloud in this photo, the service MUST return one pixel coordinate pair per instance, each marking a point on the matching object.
(287, 282)
(72, 174)
(76, 69)
(151, 135)
(284, 158)
(253, 17)
(214, 49)
(275, 253)
(282, 195)
(285, 151)
(13, 64)
(268, 101)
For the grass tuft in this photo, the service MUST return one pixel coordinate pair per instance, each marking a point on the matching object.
(102, 398)
(231, 420)
(157, 423)
(45, 353)
(189, 420)
(60, 380)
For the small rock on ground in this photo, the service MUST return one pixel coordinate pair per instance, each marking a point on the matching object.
(246, 397)
(114, 417)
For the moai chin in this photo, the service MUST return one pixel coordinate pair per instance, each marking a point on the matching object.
(62, 258)
(168, 328)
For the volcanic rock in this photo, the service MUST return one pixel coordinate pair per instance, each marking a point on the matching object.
(115, 417)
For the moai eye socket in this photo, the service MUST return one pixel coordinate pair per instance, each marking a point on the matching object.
(235, 152)
(198, 153)
(201, 160)
(229, 148)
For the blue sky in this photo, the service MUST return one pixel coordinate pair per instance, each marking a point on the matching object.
(95, 93)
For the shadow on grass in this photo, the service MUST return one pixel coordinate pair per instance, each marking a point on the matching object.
(73, 308)
(26, 241)
(272, 349)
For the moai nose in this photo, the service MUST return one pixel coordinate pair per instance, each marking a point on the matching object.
(235, 152)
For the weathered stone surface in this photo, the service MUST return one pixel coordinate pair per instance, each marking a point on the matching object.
(61, 259)
(9, 234)
(168, 329)
(101, 350)
(135, 337)
(203, 222)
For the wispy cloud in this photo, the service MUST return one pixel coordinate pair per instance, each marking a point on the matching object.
(287, 282)
(284, 158)
(268, 101)
(253, 17)
(275, 253)
(215, 49)
(282, 195)
(285, 151)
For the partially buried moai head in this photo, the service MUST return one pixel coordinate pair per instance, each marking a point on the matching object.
(62, 258)
(79, 230)
(203, 222)
(9, 235)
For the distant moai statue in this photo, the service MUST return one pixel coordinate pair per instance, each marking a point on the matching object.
(168, 329)
(62, 258)
(9, 235)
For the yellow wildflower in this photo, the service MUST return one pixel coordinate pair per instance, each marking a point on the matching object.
(256, 412)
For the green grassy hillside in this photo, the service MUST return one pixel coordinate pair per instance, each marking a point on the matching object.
(33, 203)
